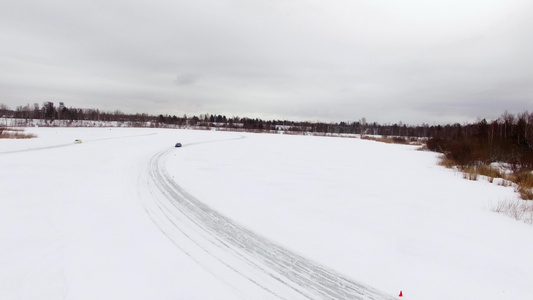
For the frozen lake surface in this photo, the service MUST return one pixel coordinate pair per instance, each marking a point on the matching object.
(125, 215)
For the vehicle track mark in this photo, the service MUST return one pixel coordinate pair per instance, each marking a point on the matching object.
(213, 240)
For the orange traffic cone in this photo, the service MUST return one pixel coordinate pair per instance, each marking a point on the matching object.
(401, 294)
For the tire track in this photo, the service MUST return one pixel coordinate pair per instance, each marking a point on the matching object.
(221, 245)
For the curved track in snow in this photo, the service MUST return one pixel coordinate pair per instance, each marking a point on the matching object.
(255, 266)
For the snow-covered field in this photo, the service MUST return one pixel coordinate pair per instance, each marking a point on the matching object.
(122, 216)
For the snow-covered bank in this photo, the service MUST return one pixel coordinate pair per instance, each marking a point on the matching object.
(73, 223)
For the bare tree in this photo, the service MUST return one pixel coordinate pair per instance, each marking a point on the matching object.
(362, 126)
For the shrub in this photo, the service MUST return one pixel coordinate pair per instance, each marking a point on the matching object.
(399, 140)
(388, 140)
(437, 145)
(461, 153)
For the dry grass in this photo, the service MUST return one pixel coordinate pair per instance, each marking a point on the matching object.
(505, 183)
(489, 171)
(470, 173)
(516, 209)
(523, 180)
(447, 162)
(15, 133)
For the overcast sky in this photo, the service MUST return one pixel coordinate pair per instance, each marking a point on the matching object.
(338, 60)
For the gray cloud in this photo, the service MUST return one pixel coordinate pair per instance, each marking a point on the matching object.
(412, 61)
(187, 79)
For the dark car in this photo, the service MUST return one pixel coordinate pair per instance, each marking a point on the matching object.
(178, 145)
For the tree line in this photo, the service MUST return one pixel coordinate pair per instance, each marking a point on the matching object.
(50, 112)
(491, 140)
(508, 139)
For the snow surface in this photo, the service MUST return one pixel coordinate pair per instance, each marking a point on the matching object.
(80, 221)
